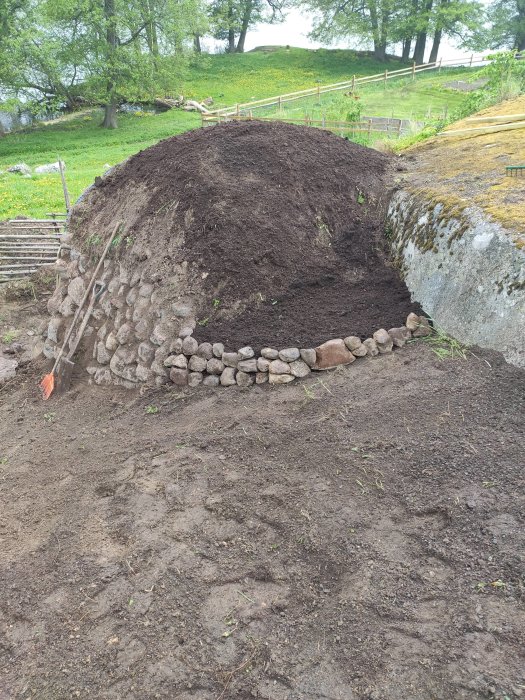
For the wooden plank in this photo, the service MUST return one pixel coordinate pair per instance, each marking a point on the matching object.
(480, 130)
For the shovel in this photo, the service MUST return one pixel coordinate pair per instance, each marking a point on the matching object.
(47, 384)
(65, 365)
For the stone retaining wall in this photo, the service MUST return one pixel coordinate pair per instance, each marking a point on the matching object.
(135, 337)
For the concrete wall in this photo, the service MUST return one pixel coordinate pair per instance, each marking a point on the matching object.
(465, 270)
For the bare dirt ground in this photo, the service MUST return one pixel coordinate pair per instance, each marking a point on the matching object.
(355, 536)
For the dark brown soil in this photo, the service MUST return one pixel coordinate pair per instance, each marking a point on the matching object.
(276, 230)
(358, 536)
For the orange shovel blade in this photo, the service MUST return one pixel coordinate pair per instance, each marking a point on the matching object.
(47, 385)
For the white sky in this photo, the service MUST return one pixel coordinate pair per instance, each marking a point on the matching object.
(294, 30)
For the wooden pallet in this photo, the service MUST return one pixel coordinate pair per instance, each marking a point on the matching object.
(28, 244)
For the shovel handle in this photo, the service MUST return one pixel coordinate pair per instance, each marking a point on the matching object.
(95, 296)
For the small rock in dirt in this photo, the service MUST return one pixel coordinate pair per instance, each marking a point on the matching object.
(54, 301)
(263, 364)
(299, 368)
(215, 366)
(7, 369)
(179, 376)
(143, 373)
(279, 367)
(218, 349)
(211, 380)
(270, 353)
(280, 378)
(145, 290)
(49, 349)
(190, 346)
(423, 328)
(333, 353)
(371, 347)
(67, 307)
(205, 350)
(412, 321)
(289, 354)
(309, 356)
(398, 336)
(353, 342)
(244, 379)
(248, 365)
(383, 341)
(228, 376)
(160, 333)
(197, 363)
(261, 377)
(179, 361)
(246, 353)
(194, 379)
(231, 359)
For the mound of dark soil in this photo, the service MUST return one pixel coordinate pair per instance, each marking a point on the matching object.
(274, 232)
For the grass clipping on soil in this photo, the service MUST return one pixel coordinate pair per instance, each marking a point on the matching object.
(273, 232)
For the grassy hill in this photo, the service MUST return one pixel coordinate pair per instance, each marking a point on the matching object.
(86, 148)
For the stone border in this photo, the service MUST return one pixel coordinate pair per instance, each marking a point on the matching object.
(135, 338)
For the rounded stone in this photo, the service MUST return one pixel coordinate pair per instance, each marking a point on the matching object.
(279, 367)
(217, 349)
(244, 379)
(189, 345)
(299, 368)
(179, 376)
(179, 361)
(230, 359)
(309, 356)
(194, 379)
(247, 365)
(270, 353)
(371, 347)
(280, 378)
(412, 322)
(146, 352)
(175, 346)
(262, 377)
(263, 364)
(360, 351)
(289, 354)
(197, 363)
(205, 350)
(381, 337)
(76, 290)
(124, 334)
(353, 342)
(246, 353)
(228, 376)
(215, 366)
(211, 380)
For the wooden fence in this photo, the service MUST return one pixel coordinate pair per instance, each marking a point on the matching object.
(350, 85)
(26, 245)
(366, 125)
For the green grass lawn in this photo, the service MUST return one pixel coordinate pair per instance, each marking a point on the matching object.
(86, 148)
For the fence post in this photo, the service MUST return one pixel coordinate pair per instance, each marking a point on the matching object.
(318, 94)
(369, 128)
(471, 59)
(279, 103)
(386, 78)
(353, 83)
(399, 129)
(324, 120)
(446, 112)
(413, 70)
(237, 109)
(440, 61)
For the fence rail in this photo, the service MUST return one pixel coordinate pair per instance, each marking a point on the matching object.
(365, 125)
(318, 90)
(26, 245)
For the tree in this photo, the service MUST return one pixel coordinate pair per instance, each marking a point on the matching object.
(105, 51)
(231, 19)
(507, 24)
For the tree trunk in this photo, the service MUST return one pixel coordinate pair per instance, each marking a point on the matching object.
(520, 26)
(197, 43)
(379, 51)
(110, 115)
(407, 45)
(231, 30)
(435, 46)
(246, 17)
(110, 112)
(421, 37)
